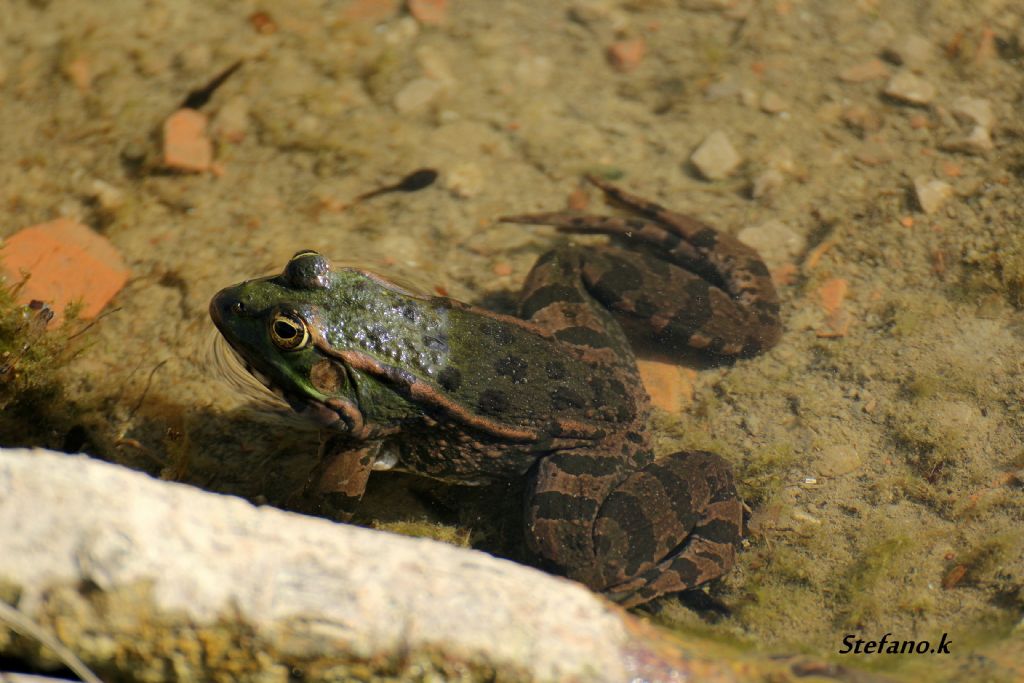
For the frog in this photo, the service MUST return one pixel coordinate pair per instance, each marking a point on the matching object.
(551, 397)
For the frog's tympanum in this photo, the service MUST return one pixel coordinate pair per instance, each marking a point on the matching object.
(430, 385)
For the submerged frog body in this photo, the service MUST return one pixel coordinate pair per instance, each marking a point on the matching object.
(430, 385)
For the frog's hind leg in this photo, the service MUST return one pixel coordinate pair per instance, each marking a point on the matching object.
(709, 292)
(556, 298)
(669, 527)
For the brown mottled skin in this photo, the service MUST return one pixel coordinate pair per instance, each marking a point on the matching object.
(455, 392)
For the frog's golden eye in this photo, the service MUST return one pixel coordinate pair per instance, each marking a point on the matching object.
(288, 332)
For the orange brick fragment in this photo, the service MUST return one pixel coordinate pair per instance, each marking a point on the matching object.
(66, 262)
(502, 269)
(832, 292)
(669, 386)
(429, 12)
(186, 146)
(626, 55)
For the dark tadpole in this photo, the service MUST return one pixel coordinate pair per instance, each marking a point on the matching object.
(415, 181)
(197, 98)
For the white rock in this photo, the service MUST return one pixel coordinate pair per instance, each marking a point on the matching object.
(837, 460)
(167, 560)
(978, 141)
(716, 158)
(910, 88)
(767, 182)
(931, 193)
(417, 95)
(464, 179)
(911, 51)
(973, 110)
(772, 102)
(775, 241)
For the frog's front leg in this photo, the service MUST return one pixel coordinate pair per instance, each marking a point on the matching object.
(337, 483)
(669, 526)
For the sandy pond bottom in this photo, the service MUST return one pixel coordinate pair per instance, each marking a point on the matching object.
(879, 158)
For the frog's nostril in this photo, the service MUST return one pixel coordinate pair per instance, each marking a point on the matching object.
(237, 307)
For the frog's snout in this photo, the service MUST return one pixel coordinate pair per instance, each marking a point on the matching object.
(225, 304)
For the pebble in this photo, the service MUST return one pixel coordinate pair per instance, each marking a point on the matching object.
(776, 242)
(910, 88)
(862, 118)
(231, 122)
(978, 141)
(772, 102)
(931, 193)
(871, 70)
(837, 460)
(716, 158)
(910, 50)
(108, 197)
(973, 110)
(417, 94)
(464, 179)
(626, 55)
(767, 183)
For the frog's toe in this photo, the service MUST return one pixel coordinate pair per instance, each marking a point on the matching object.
(669, 527)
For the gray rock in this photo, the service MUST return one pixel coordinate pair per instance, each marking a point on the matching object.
(716, 158)
(910, 88)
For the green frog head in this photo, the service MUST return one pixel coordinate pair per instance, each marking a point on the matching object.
(318, 336)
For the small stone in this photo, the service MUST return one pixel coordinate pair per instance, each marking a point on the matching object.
(417, 94)
(862, 118)
(772, 103)
(231, 122)
(767, 183)
(626, 55)
(870, 70)
(775, 241)
(79, 72)
(931, 194)
(973, 110)
(911, 51)
(978, 141)
(464, 179)
(716, 158)
(196, 58)
(838, 460)
(909, 88)
(108, 197)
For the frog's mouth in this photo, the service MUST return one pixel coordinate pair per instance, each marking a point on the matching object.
(333, 413)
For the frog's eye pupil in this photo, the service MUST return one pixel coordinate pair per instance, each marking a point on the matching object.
(288, 332)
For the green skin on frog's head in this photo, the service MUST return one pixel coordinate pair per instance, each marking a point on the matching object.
(320, 336)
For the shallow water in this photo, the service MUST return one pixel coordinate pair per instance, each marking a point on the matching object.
(883, 465)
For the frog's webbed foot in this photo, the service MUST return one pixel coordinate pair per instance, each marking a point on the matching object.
(688, 500)
(335, 487)
(718, 297)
